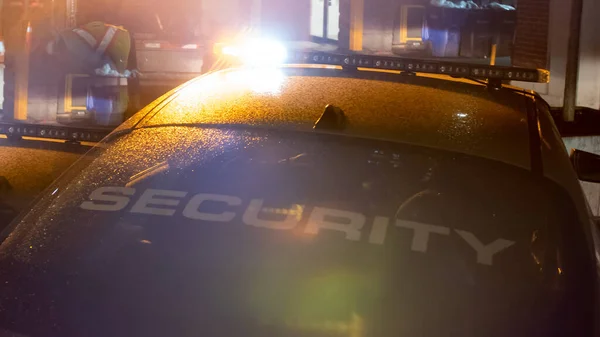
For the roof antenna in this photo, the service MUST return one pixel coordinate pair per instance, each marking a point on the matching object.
(333, 118)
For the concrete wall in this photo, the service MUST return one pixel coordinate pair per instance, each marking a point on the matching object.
(589, 63)
(287, 20)
(588, 94)
(378, 26)
(380, 19)
(46, 80)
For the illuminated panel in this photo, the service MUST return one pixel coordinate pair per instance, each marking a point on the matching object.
(53, 132)
(420, 65)
(454, 70)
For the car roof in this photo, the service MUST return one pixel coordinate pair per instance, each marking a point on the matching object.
(438, 111)
(445, 114)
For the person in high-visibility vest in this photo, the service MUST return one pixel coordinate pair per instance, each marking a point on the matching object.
(92, 46)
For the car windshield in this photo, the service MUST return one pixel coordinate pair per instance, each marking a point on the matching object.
(293, 234)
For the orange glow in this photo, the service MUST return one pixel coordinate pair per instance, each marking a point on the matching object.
(295, 210)
(51, 140)
(311, 66)
(380, 70)
(257, 80)
(254, 51)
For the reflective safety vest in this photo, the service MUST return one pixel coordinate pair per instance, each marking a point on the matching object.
(108, 40)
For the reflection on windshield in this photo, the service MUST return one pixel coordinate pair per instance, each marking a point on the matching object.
(149, 172)
(277, 236)
(164, 41)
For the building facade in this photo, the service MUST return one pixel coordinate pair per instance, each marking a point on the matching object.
(537, 38)
(556, 43)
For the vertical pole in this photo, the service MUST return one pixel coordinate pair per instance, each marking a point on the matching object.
(21, 63)
(22, 75)
(325, 18)
(572, 71)
(356, 24)
(493, 55)
(494, 50)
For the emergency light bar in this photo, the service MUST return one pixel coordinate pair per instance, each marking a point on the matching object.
(420, 65)
(17, 130)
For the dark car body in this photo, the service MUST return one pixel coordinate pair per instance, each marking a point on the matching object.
(440, 207)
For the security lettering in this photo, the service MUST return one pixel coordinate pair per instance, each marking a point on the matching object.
(191, 210)
(349, 224)
(108, 199)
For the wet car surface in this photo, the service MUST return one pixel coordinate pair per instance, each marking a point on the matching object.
(220, 210)
(28, 167)
(433, 112)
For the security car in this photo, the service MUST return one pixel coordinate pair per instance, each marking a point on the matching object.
(333, 195)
